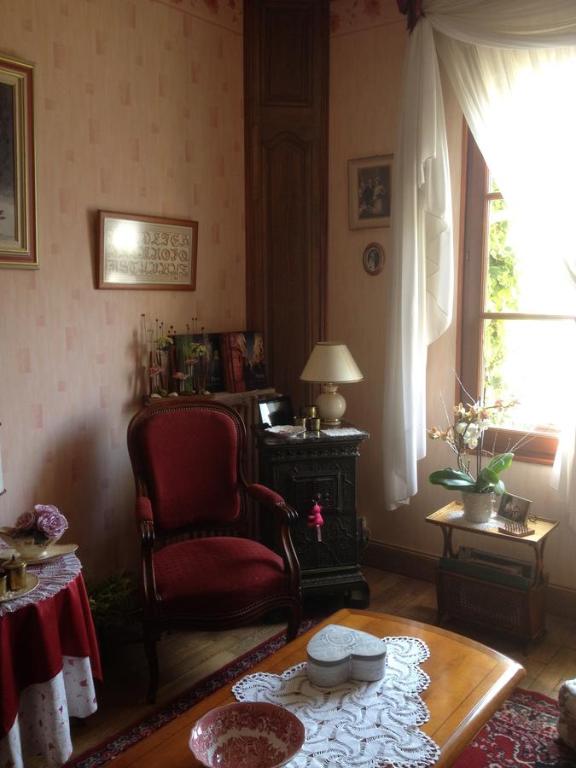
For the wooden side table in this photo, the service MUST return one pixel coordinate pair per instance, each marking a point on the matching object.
(323, 467)
(489, 596)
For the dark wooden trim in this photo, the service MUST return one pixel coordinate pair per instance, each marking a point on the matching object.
(406, 562)
(286, 195)
(461, 248)
(534, 447)
(560, 601)
(471, 273)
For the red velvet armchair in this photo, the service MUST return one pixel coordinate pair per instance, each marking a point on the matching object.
(201, 567)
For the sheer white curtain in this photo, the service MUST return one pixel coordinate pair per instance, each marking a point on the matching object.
(421, 285)
(493, 53)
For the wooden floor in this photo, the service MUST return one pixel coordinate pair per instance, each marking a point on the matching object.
(188, 657)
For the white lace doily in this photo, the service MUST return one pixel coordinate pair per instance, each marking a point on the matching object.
(52, 577)
(356, 725)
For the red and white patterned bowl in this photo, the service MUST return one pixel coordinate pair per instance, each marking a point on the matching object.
(246, 735)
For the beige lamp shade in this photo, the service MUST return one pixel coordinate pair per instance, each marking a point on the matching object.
(330, 363)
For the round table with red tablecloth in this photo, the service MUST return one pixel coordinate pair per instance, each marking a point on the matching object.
(48, 662)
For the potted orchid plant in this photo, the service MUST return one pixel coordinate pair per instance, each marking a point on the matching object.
(464, 437)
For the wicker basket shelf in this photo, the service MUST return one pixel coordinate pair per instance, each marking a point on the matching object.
(486, 596)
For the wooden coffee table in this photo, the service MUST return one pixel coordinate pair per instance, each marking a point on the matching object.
(468, 683)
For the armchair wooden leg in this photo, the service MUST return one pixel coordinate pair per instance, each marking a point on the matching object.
(294, 621)
(150, 639)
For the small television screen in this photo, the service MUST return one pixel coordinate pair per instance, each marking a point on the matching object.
(275, 411)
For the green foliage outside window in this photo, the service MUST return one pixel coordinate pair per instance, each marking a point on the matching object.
(501, 296)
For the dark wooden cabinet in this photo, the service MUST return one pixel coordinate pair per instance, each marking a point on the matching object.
(323, 468)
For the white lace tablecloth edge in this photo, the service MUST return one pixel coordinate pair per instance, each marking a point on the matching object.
(356, 725)
(53, 576)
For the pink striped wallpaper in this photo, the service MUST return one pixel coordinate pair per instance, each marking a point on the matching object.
(139, 110)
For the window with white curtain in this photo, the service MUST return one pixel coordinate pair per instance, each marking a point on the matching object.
(512, 66)
(518, 308)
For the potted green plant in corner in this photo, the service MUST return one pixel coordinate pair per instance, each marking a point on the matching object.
(464, 437)
(116, 612)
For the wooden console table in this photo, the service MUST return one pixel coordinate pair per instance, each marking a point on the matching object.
(488, 596)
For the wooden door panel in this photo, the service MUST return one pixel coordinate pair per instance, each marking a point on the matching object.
(286, 83)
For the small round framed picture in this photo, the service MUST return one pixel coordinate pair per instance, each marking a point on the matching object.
(373, 258)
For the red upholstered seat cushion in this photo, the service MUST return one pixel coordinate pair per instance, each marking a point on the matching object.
(214, 576)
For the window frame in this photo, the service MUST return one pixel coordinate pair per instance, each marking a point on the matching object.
(540, 446)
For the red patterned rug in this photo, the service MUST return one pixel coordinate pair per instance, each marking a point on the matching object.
(522, 734)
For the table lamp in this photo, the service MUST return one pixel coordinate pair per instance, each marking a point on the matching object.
(330, 363)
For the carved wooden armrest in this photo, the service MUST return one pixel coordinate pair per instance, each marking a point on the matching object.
(285, 514)
(145, 522)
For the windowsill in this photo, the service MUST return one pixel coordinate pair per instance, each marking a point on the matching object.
(534, 448)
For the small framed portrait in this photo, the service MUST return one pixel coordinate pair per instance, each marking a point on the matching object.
(373, 258)
(514, 508)
(369, 191)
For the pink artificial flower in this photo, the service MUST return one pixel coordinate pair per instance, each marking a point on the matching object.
(50, 522)
(26, 521)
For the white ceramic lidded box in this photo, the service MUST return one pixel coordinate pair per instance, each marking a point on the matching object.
(337, 654)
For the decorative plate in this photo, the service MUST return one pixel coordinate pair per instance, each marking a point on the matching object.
(285, 430)
(373, 258)
(31, 583)
(56, 550)
(246, 735)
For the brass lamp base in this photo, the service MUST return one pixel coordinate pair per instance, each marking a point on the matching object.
(330, 422)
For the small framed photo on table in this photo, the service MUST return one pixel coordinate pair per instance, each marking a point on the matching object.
(514, 509)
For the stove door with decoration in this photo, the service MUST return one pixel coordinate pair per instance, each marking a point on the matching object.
(316, 474)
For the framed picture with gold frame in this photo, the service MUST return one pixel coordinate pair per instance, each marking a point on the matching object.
(139, 252)
(18, 246)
